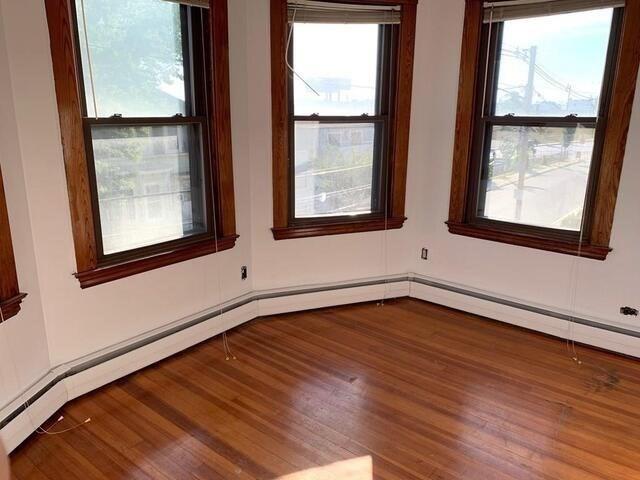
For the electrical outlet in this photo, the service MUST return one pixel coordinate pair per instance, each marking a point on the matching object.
(629, 311)
(243, 273)
(425, 254)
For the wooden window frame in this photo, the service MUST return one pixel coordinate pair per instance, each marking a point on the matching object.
(10, 296)
(605, 182)
(395, 163)
(93, 270)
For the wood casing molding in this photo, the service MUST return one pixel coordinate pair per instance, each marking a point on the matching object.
(90, 271)
(469, 62)
(11, 306)
(338, 228)
(618, 120)
(283, 228)
(10, 296)
(521, 239)
(597, 238)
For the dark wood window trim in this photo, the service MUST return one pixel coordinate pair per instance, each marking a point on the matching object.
(283, 225)
(91, 270)
(597, 234)
(10, 296)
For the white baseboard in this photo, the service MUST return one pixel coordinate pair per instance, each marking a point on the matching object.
(332, 297)
(33, 416)
(93, 371)
(88, 373)
(589, 335)
(127, 363)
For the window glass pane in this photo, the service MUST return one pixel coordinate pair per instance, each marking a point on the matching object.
(537, 176)
(135, 47)
(553, 65)
(150, 184)
(333, 168)
(340, 63)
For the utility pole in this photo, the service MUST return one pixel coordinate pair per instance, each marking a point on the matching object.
(523, 141)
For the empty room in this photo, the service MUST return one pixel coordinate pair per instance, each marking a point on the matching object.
(319, 239)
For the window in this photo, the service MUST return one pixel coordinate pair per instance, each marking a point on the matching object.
(543, 111)
(143, 95)
(10, 296)
(341, 92)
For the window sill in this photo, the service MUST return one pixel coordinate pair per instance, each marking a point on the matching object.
(531, 241)
(109, 273)
(11, 307)
(338, 228)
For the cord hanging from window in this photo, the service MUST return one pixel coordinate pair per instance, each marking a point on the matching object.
(573, 287)
(89, 61)
(225, 341)
(26, 403)
(286, 55)
(486, 70)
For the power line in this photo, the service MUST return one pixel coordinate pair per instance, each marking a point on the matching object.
(545, 75)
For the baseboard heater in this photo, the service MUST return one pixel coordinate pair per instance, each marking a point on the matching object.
(258, 296)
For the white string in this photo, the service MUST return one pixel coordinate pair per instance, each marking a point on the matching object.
(574, 272)
(225, 340)
(573, 291)
(385, 243)
(385, 233)
(26, 404)
(89, 61)
(486, 70)
(286, 54)
(610, 377)
(49, 431)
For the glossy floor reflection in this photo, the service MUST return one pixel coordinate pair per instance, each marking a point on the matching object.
(354, 469)
(406, 391)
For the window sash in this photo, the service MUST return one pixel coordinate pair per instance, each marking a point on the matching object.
(199, 162)
(480, 192)
(520, 9)
(196, 78)
(381, 141)
(192, 3)
(378, 180)
(485, 120)
(311, 11)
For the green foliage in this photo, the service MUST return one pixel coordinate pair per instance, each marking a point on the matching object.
(135, 46)
(117, 158)
(344, 168)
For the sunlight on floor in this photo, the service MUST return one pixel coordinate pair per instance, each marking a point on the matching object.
(360, 468)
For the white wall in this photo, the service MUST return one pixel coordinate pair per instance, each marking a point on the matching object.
(528, 274)
(311, 260)
(78, 321)
(24, 355)
(69, 322)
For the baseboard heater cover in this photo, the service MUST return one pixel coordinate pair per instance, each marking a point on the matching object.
(258, 296)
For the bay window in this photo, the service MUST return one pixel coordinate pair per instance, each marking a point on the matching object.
(341, 89)
(143, 97)
(545, 95)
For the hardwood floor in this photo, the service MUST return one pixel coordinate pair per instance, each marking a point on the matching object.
(405, 391)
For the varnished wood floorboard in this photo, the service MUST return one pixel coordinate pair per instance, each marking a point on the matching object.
(414, 390)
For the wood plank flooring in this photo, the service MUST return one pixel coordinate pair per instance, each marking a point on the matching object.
(405, 391)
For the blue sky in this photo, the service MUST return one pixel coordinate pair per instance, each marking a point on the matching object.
(570, 47)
